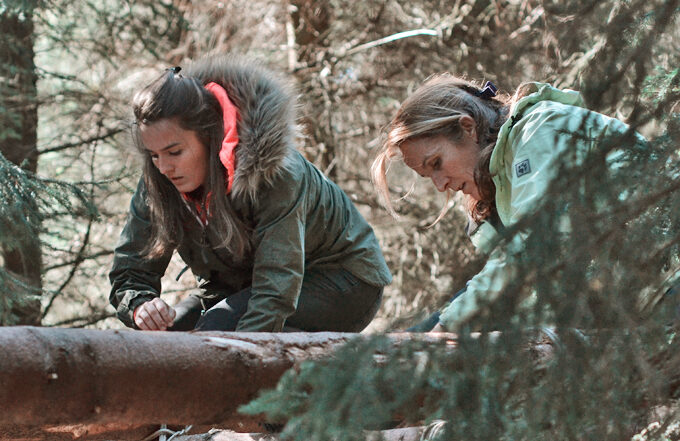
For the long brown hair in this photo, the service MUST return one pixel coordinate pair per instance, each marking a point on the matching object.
(185, 101)
(435, 109)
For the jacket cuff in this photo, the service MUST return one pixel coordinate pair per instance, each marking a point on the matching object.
(130, 301)
(458, 312)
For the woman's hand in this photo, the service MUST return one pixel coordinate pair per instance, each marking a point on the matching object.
(438, 328)
(155, 315)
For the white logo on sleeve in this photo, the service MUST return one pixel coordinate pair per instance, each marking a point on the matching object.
(522, 168)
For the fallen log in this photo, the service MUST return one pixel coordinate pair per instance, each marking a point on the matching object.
(83, 384)
(404, 434)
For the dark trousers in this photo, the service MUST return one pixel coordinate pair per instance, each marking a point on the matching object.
(330, 300)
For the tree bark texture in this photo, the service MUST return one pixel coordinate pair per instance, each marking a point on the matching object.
(404, 434)
(51, 378)
(18, 140)
(138, 433)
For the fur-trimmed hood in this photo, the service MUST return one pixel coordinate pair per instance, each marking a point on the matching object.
(266, 127)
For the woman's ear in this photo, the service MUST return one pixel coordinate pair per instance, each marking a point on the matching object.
(469, 126)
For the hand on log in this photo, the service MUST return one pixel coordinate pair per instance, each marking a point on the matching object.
(154, 315)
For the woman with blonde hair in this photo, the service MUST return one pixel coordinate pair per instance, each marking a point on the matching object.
(502, 153)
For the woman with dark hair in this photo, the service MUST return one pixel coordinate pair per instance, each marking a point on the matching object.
(502, 153)
(271, 240)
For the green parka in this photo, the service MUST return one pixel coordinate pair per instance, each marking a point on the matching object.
(545, 127)
(299, 218)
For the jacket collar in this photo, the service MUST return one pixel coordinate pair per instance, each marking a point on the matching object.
(530, 94)
(266, 128)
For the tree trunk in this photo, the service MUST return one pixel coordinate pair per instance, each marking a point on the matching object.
(18, 142)
(94, 380)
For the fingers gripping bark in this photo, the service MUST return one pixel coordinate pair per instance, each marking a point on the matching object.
(155, 315)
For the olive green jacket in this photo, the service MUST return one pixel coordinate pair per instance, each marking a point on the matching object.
(299, 218)
(545, 127)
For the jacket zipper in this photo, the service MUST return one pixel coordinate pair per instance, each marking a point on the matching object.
(204, 227)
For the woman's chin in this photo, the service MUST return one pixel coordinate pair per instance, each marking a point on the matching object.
(472, 197)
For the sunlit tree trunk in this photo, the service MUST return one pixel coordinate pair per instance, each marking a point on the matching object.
(18, 143)
(308, 21)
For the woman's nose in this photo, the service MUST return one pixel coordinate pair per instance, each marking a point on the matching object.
(439, 181)
(164, 165)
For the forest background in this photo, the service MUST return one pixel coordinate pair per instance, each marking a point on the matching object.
(68, 70)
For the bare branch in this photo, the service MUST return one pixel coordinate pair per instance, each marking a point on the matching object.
(59, 148)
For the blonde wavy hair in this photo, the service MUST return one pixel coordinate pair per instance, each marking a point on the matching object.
(434, 109)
